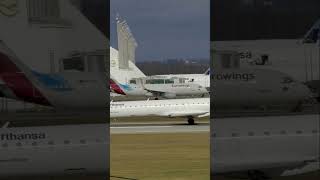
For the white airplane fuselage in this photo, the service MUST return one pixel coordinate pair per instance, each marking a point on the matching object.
(287, 55)
(162, 90)
(279, 145)
(255, 87)
(55, 150)
(59, 90)
(200, 79)
(196, 107)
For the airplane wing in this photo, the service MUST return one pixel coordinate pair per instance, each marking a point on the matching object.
(159, 93)
(187, 114)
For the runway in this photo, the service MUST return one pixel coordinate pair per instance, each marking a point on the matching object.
(158, 128)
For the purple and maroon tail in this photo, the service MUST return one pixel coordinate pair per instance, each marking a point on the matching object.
(116, 88)
(13, 75)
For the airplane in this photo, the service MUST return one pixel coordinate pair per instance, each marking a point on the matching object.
(200, 79)
(70, 50)
(257, 87)
(58, 90)
(233, 90)
(189, 108)
(157, 87)
(264, 147)
(54, 150)
(282, 89)
(123, 70)
(196, 79)
(297, 57)
(136, 86)
(257, 91)
(241, 87)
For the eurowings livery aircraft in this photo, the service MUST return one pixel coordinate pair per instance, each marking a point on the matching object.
(201, 79)
(237, 87)
(54, 150)
(255, 87)
(242, 87)
(67, 39)
(123, 71)
(189, 108)
(158, 87)
(297, 57)
(265, 147)
(58, 90)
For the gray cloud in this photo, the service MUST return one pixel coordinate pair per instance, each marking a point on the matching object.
(166, 28)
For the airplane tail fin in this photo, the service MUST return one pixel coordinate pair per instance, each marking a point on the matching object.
(116, 88)
(313, 35)
(18, 78)
(9, 62)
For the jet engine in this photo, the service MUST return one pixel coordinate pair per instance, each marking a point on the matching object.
(169, 95)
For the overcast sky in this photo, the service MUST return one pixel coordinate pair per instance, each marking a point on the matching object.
(165, 28)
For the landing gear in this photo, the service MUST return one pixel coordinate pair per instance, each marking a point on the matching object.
(264, 108)
(298, 107)
(191, 121)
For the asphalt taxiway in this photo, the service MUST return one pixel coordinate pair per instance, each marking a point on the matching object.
(158, 128)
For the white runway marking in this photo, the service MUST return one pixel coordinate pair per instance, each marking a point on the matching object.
(159, 129)
(140, 127)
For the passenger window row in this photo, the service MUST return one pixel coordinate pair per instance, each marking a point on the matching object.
(50, 143)
(267, 133)
(157, 105)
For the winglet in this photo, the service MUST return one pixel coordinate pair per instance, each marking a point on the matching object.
(6, 125)
(313, 35)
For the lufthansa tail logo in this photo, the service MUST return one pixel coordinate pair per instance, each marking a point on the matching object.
(9, 7)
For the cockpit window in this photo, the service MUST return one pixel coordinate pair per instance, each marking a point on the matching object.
(133, 82)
